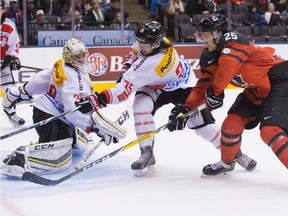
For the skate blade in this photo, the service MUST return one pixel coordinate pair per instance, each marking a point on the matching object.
(146, 172)
(12, 175)
(13, 172)
(213, 176)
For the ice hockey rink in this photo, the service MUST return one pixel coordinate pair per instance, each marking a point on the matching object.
(109, 188)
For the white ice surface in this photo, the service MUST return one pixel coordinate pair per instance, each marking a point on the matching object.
(109, 188)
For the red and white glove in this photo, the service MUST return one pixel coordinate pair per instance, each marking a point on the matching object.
(92, 102)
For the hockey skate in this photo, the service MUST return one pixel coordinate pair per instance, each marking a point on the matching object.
(144, 166)
(246, 162)
(15, 164)
(217, 168)
(14, 119)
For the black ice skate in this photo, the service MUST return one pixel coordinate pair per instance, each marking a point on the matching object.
(144, 166)
(15, 164)
(14, 119)
(219, 167)
(246, 162)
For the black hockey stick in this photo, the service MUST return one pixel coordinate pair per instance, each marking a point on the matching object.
(31, 177)
(33, 68)
(38, 124)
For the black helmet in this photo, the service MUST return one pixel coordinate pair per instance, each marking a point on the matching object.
(213, 22)
(151, 32)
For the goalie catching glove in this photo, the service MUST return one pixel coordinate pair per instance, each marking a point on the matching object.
(176, 121)
(106, 129)
(92, 102)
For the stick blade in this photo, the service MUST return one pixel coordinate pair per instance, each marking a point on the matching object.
(31, 177)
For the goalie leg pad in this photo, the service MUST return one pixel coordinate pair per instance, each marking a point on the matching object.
(40, 158)
(82, 142)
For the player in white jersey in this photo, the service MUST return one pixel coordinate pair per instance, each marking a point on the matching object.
(60, 86)
(159, 76)
(10, 44)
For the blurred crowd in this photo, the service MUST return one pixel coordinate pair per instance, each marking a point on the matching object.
(57, 14)
(105, 14)
(252, 13)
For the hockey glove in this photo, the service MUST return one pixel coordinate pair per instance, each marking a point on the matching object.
(108, 139)
(176, 122)
(91, 103)
(213, 101)
(15, 64)
(106, 129)
(6, 62)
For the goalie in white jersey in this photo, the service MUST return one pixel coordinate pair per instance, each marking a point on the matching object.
(60, 86)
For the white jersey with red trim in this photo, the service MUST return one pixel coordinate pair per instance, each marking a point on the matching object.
(9, 39)
(164, 70)
(60, 87)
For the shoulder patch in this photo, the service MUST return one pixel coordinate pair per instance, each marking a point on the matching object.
(58, 73)
(167, 62)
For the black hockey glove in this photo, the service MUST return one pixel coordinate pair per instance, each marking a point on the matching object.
(6, 62)
(15, 64)
(213, 101)
(176, 122)
(125, 67)
(92, 102)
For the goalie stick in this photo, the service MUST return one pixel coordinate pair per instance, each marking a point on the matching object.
(31, 177)
(38, 124)
(32, 68)
(125, 116)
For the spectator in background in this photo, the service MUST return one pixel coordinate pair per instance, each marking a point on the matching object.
(272, 16)
(31, 10)
(105, 4)
(252, 17)
(173, 8)
(51, 7)
(157, 3)
(117, 22)
(110, 12)
(66, 7)
(284, 16)
(200, 7)
(79, 22)
(261, 5)
(39, 24)
(15, 14)
(95, 16)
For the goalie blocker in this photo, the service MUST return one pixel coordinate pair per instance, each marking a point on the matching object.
(55, 156)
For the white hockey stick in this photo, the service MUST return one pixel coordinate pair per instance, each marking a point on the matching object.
(124, 117)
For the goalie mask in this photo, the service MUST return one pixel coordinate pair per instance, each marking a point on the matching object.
(75, 54)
